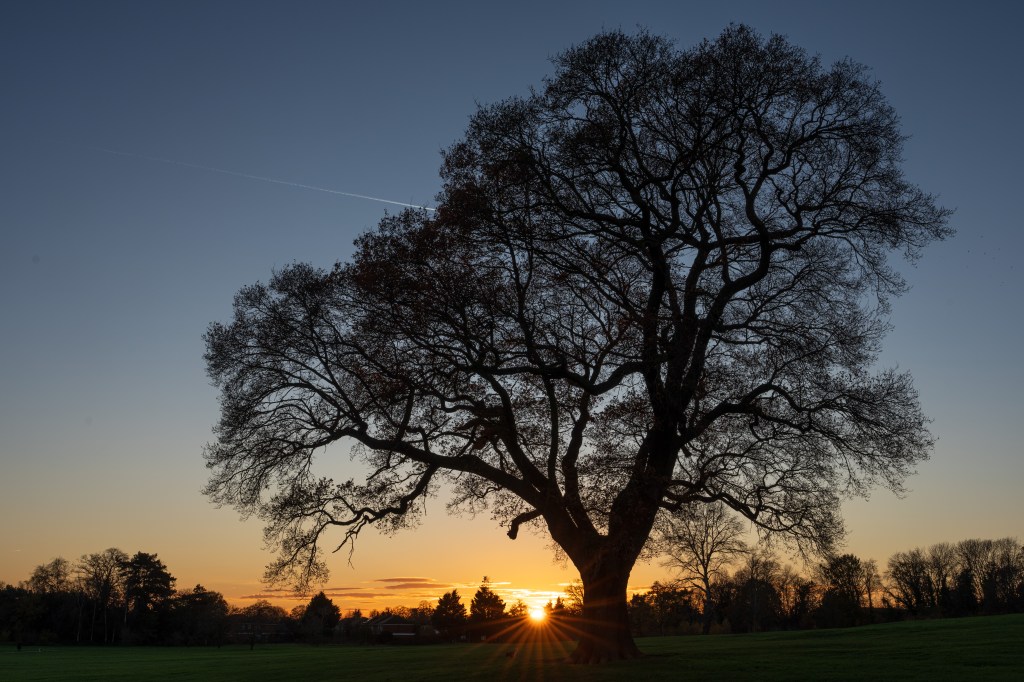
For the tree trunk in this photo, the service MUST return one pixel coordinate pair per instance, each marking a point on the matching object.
(708, 611)
(604, 627)
(605, 561)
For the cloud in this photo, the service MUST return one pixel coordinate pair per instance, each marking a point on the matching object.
(358, 595)
(422, 584)
(416, 586)
(268, 595)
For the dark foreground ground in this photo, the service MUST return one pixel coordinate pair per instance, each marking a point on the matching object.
(964, 649)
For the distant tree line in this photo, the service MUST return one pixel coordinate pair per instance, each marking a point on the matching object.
(112, 598)
(968, 578)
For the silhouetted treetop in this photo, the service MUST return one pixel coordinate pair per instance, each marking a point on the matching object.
(450, 613)
(320, 616)
(486, 605)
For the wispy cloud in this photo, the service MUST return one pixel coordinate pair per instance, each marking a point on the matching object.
(405, 580)
(271, 594)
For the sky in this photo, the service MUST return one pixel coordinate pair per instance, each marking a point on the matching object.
(122, 237)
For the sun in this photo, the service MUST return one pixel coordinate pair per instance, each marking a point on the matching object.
(537, 615)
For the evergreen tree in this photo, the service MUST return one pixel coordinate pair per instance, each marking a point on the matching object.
(486, 605)
(450, 615)
(319, 618)
(148, 587)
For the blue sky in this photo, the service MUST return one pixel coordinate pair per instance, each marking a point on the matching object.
(112, 265)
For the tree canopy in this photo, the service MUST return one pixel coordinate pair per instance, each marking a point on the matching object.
(450, 614)
(319, 617)
(660, 279)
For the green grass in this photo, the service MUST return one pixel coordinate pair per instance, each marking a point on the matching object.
(965, 649)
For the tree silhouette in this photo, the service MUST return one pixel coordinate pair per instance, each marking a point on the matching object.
(486, 605)
(200, 616)
(261, 620)
(843, 579)
(53, 604)
(320, 617)
(909, 584)
(450, 614)
(670, 605)
(519, 609)
(51, 578)
(575, 597)
(147, 588)
(661, 279)
(700, 541)
(99, 574)
(757, 604)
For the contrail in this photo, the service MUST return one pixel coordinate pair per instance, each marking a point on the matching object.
(249, 176)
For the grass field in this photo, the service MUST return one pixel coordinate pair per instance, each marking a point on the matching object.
(965, 649)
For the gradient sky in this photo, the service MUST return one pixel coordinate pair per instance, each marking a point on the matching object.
(112, 263)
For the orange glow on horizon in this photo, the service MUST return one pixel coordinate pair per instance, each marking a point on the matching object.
(537, 615)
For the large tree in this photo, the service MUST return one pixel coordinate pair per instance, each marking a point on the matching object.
(661, 279)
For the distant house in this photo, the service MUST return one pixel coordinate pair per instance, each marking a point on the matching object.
(351, 627)
(243, 630)
(397, 626)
